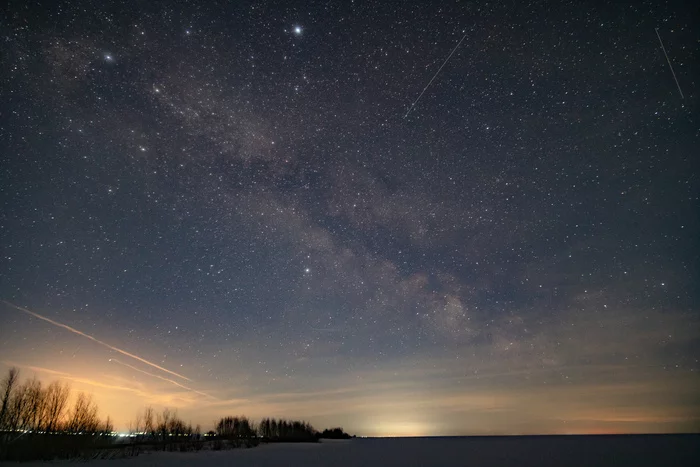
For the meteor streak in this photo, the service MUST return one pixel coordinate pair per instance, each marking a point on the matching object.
(669, 63)
(104, 344)
(434, 76)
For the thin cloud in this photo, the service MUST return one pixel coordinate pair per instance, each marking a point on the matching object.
(37, 369)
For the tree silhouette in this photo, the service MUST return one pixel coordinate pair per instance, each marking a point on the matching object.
(34, 405)
(334, 433)
(8, 385)
(56, 399)
(148, 426)
(108, 427)
(162, 422)
(83, 418)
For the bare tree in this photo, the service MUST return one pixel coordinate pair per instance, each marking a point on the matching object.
(35, 405)
(163, 422)
(25, 406)
(17, 407)
(108, 426)
(176, 426)
(8, 385)
(148, 426)
(138, 427)
(56, 399)
(84, 418)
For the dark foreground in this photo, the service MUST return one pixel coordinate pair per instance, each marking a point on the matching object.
(567, 451)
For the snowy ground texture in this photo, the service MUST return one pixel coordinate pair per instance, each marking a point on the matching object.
(567, 451)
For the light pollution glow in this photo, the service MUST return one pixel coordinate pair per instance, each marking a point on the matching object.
(408, 397)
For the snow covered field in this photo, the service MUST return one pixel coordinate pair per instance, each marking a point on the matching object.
(569, 451)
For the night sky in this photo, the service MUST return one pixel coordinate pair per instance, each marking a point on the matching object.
(234, 193)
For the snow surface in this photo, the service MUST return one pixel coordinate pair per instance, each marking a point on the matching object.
(568, 451)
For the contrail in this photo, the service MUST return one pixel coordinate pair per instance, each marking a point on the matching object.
(75, 331)
(434, 76)
(160, 377)
(669, 62)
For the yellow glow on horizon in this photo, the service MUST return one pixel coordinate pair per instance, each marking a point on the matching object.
(401, 429)
(387, 412)
(370, 403)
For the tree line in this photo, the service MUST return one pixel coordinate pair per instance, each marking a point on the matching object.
(39, 421)
(31, 406)
(286, 430)
(160, 426)
(239, 430)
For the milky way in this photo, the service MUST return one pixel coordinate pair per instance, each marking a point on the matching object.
(231, 190)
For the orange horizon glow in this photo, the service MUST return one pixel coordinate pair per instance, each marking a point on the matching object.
(375, 415)
(402, 397)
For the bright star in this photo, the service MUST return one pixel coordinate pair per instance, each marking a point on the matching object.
(297, 30)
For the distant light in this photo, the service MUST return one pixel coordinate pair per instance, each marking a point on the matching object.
(298, 30)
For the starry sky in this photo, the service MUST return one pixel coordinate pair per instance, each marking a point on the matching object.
(245, 208)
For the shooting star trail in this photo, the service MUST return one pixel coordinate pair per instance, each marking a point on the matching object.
(162, 378)
(669, 62)
(434, 76)
(80, 333)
